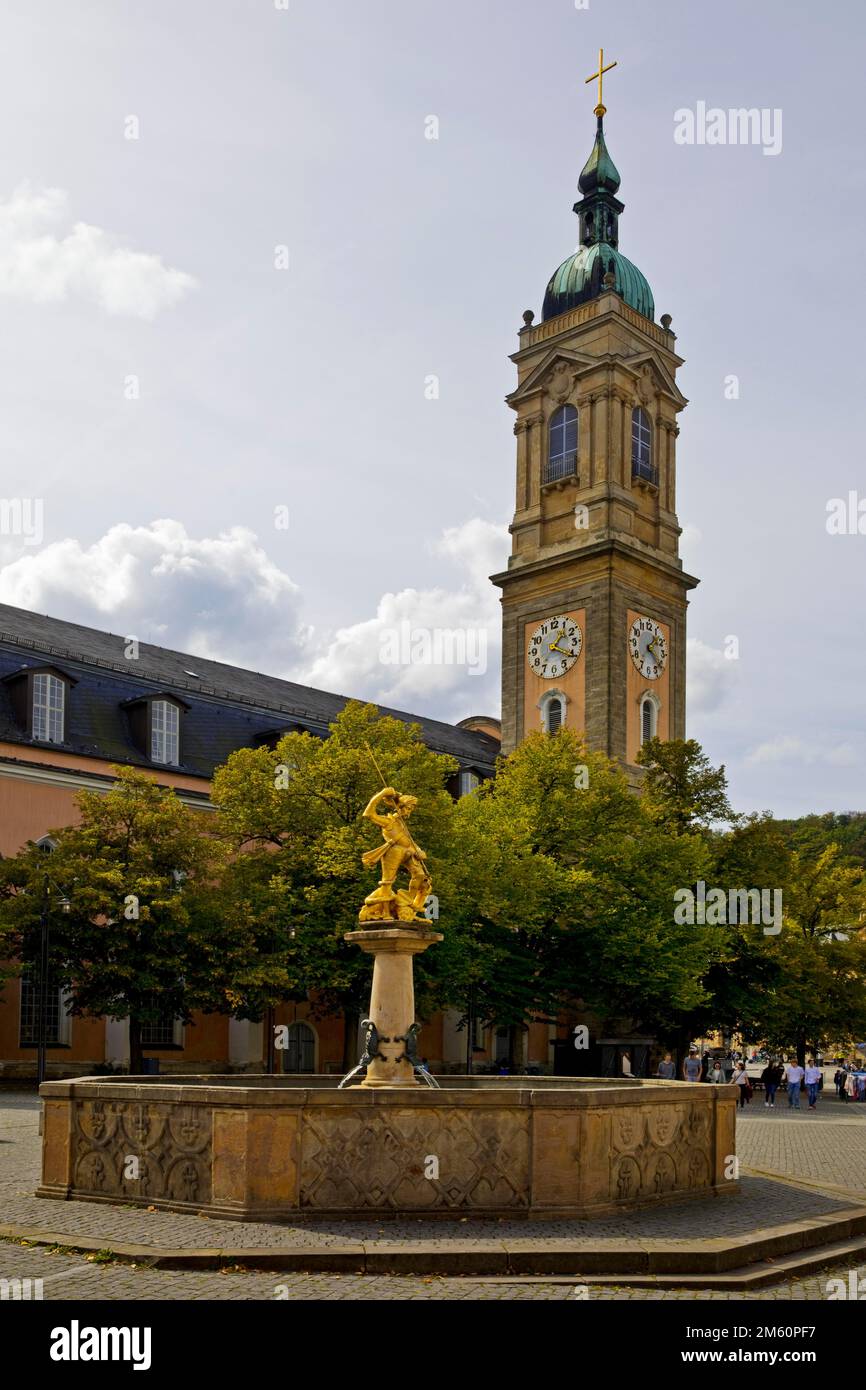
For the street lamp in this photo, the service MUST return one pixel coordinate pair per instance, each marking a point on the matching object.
(42, 1035)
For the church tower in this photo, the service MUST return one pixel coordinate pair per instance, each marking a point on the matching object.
(594, 598)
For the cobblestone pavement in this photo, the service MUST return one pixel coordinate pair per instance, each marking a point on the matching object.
(827, 1145)
(835, 1152)
(68, 1277)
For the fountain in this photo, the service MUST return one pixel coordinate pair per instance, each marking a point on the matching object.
(387, 1140)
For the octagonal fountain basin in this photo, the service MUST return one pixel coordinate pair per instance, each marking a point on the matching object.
(265, 1148)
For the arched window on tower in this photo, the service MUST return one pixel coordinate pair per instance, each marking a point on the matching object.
(561, 444)
(641, 447)
(552, 705)
(649, 718)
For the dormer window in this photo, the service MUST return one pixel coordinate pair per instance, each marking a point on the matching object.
(164, 732)
(154, 723)
(49, 708)
(39, 696)
(467, 783)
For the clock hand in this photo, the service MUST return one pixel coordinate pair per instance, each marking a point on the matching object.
(555, 648)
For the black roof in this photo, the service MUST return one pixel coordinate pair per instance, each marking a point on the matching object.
(229, 707)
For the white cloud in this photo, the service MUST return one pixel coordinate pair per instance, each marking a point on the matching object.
(224, 598)
(690, 544)
(219, 597)
(788, 748)
(710, 677)
(44, 260)
(431, 650)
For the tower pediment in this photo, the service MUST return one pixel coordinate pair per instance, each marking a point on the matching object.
(651, 378)
(555, 373)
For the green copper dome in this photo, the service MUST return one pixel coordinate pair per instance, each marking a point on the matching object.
(581, 278)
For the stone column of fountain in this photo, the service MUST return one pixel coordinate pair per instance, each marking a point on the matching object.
(392, 1001)
(394, 931)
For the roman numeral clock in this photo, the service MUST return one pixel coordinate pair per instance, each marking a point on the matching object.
(594, 598)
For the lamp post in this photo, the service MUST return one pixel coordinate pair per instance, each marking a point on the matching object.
(43, 986)
(42, 1031)
(470, 1029)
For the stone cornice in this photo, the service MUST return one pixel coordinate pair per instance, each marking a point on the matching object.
(596, 549)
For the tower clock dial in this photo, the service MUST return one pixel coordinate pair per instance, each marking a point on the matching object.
(649, 650)
(554, 646)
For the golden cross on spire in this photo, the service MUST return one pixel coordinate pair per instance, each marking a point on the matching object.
(601, 108)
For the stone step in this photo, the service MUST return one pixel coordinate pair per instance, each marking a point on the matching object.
(747, 1261)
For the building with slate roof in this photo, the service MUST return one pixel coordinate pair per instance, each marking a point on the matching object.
(74, 701)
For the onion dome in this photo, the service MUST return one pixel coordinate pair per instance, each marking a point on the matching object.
(597, 265)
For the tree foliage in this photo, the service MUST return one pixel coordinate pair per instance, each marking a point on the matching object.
(132, 938)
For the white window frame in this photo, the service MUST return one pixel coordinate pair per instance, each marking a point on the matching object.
(164, 733)
(30, 983)
(177, 1036)
(544, 705)
(467, 782)
(559, 465)
(49, 708)
(641, 438)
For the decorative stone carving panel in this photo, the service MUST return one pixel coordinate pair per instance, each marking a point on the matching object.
(659, 1150)
(378, 1159)
(171, 1145)
(558, 382)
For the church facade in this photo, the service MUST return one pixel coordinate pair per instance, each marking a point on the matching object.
(594, 603)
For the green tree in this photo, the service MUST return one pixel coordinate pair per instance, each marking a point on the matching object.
(583, 876)
(293, 813)
(134, 939)
(821, 991)
(804, 985)
(681, 787)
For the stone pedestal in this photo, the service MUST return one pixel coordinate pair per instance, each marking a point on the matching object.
(392, 998)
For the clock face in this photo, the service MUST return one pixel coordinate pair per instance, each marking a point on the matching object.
(554, 647)
(649, 650)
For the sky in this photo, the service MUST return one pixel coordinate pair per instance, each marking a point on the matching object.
(262, 265)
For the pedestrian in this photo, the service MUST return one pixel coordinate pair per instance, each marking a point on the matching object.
(692, 1066)
(666, 1069)
(839, 1080)
(717, 1075)
(795, 1074)
(771, 1078)
(741, 1079)
(813, 1081)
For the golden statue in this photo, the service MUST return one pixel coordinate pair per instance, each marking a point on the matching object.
(399, 851)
